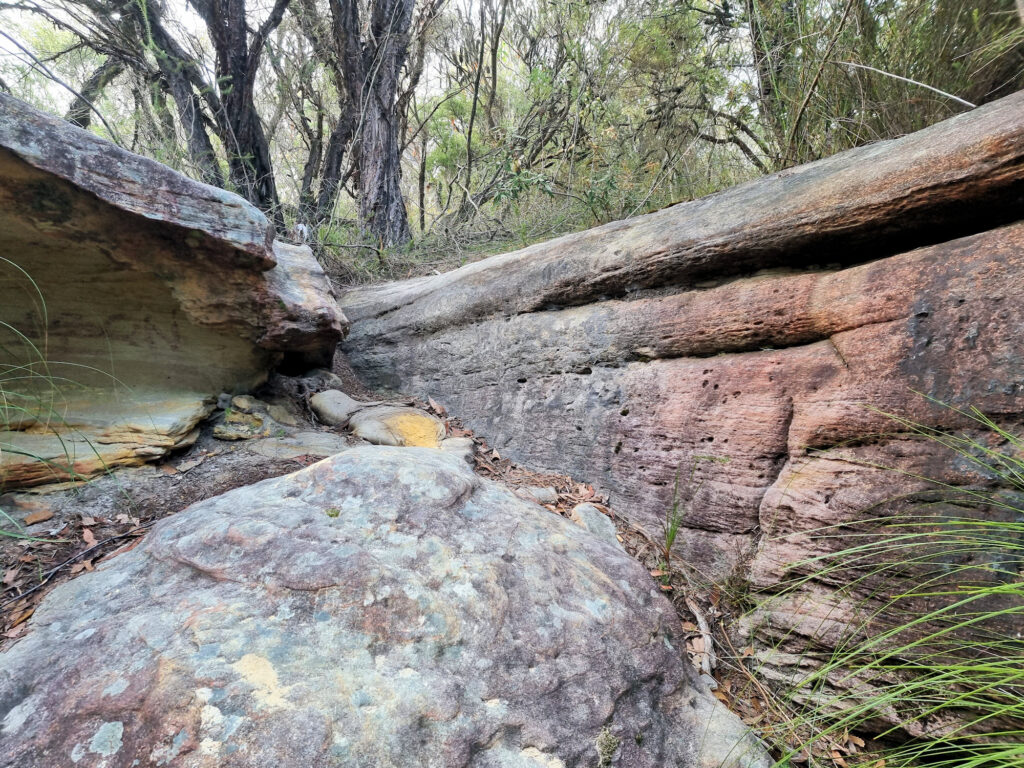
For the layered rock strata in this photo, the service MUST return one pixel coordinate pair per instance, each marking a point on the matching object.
(719, 341)
(735, 359)
(128, 295)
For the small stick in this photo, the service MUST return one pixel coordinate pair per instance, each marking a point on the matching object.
(709, 662)
(50, 573)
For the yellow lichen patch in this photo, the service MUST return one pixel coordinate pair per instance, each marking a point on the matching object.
(415, 429)
(260, 673)
(541, 759)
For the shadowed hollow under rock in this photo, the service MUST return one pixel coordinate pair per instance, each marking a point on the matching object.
(130, 295)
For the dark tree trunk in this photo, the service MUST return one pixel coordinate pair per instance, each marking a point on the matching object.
(238, 59)
(182, 79)
(80, 111)
(381, 207)
(334, 160)
(371, 72)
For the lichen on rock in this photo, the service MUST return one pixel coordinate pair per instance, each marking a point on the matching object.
(383, 607)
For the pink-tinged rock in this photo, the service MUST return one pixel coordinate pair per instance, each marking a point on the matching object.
(383, 607)
(716, 347)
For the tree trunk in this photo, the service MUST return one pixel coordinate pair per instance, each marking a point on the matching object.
(334, 159)
(381, 207)
(237, 61)
(80, 111)
(371, 72)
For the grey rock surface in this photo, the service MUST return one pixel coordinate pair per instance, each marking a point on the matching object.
(463, 447)
(541, 494)
(385, 607)
(597, 522)
(333, 407)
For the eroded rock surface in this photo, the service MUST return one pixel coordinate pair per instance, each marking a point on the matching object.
(384, 607)
(651, 348)
(133, 292)
(735, 357)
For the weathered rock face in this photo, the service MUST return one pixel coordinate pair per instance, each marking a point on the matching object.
(745, 346)
(749, 327)
(384, 607)
(151, 292)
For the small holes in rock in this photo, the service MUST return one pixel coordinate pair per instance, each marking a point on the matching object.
(522, 380)
(618, 447)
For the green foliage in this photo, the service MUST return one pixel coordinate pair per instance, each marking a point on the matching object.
(581, 113)
(935, 666)
(675, 514)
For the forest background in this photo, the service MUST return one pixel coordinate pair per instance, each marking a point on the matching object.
(400, 137)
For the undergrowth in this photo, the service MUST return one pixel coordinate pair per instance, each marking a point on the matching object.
(929, 668)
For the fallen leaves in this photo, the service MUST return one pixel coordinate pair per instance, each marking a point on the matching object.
(39, 517)
(33, 565)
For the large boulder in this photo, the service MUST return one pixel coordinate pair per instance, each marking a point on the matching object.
(385, 607)
(748, 328)
(736, 356)
(129, 294)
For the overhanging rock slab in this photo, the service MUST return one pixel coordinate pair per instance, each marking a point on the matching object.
(129, 295)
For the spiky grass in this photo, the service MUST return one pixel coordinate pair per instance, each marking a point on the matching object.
(932, 663)
(31, 393)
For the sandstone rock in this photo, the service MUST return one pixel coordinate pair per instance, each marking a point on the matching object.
(703, 356)
(538, 494)
(463, 447)
(334, 407)
(319, 379)
(594, 520)
(633, 391)
(188, 295)
(384, 607)
(239, 425)
(282, 415)
(397, 426)
(247, 404)
(954, 178)
(306, 443)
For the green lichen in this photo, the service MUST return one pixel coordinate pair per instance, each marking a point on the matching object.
(607, 744)
(332, 511)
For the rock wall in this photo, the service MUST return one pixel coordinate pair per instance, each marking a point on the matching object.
(129, 294)
(737, 354)
(728, 337)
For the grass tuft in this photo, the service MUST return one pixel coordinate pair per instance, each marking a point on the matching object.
(922, 643)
